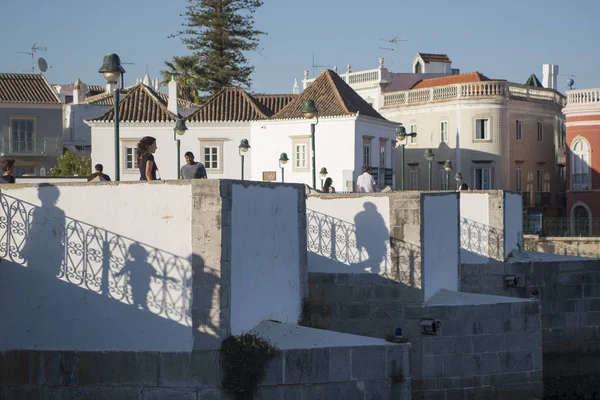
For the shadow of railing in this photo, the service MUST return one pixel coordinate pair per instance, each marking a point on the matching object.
(332, 238)
(478, 240)
(96, 259)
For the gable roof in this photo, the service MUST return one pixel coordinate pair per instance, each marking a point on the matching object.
(332, 96)
(274, 102)
(231, 104)
(533, 81)
(94, 90)
(107, 99)
(140, 104)
(430, 57)
(26, 88)
(450, 80)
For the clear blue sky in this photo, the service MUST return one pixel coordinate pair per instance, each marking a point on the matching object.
(507, 39)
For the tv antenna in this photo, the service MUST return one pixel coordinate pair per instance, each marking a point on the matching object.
(34, 49)
(394, 40)
(392, 62)
(259, 52)
(315, 65)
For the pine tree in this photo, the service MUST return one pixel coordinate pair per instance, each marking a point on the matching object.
(218, 32)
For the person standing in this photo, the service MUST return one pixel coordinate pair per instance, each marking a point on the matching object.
(327, 188)
(365, 183)
(8, 168)
(145, 152)
(192, 169)
(99, 175)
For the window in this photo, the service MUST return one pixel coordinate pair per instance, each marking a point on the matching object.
(22, 136)
(580, 167)
(131, 160)
(367, 154)
(418, 68)
(540, 180)
(382, 155)
(68, 99)
(413, 129)
(519, 179)
(211, 157)
(482, 179)
(519, 129)
(24, 170)
(481, 129)
(443, 175)
(413, 179)
(301, 153)
(444, 131)
(540, 131)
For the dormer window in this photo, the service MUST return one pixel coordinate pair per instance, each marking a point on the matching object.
(418, 68)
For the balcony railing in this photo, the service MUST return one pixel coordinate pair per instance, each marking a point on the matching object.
(28, 147)
(378, 75)
(584, 96)
(580, 182)
(473, 90)
(561, 226)
(543, 199)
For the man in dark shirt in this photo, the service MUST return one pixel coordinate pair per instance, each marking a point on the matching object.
(192, 169)
(8, 168)
(98, 175)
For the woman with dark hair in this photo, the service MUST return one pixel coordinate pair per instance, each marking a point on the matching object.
(145, 150)
(327, 188)
(8, 168)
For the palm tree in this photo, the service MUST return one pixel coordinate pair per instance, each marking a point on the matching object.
(186, 71)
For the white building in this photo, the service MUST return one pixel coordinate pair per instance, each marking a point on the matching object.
(273, 124)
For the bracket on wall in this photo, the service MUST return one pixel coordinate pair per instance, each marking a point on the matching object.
(429, 326)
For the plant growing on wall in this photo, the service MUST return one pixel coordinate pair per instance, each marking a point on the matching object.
(245, 359)
(70, 164)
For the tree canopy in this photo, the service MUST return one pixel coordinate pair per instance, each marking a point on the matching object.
(71, 164)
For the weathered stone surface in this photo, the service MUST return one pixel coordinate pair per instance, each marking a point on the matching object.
(15, 367)
(59, 368)
(170, 394)
(340, 364)
(368, 362)
(117, 368)
(198, 368)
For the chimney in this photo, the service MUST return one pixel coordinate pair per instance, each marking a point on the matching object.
(296, 89)
(78, 94)
(156, 84)
(550, 76)
(172, 103)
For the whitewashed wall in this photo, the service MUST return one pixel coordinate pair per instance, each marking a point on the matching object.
(265, 256)
(384, 134)
(475, 229)
(87, 267)
(440, 242)
(361, 228)
(513, 223)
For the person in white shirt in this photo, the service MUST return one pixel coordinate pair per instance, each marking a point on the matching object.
(365, 183)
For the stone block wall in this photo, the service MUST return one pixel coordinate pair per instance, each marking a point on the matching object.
(569, 293)
(368, 372)
(488, 351)
(568, 246)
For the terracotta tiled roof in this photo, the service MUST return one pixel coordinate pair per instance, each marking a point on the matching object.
(102, 99)
(140, 104)
(26, 88)
(106, 99)
(332, 96)
(180, 102)
(429, 57)
(94, 90)
(274, 102)
(450, 80)
(230, 104)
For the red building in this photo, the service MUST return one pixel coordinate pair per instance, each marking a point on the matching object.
(583, 158)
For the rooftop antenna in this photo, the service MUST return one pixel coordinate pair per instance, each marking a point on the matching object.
(259, 52)
(394, 42)
(315, 65)
(34, 49)
(392, 62)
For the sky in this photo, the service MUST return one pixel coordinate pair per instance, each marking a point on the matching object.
(508, 39)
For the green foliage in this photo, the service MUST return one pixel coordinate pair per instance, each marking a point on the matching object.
(186, 71)
(245, 359)
(70, 164)
(218, 32)
(390, 337)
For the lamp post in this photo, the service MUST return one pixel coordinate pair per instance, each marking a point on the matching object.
(323, 173)
(283, 159)
(179, 129)
(429, 156)
(448, 168)
(309, 109)
(401, 135)
(112, 70)
(243, 148)
(458, 177)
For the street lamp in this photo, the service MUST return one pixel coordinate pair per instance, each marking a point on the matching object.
(309, 109)
(283, 159)
(401, 135)
(179, 129)
(323, 173)
(243, 147)
(448, 168)
(112, 70)
(458, 177)
(429, 156)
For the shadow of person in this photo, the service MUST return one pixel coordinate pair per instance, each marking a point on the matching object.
(207, 298)
(372, 236)
(44, 249)
(140, 273)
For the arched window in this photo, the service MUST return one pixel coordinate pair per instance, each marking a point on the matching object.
(580, 219)
(580, 165)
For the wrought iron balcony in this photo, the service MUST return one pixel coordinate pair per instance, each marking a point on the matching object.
(543, 199)
(27, 147)
(580, 182)
(561, 226)
(526, 196)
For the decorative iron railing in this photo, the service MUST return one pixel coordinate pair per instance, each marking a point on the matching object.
(95, 259)
(561, 226)
(543, 199)
(580, 181)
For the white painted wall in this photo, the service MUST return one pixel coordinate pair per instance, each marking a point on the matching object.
(60, 281)
(440, 242)
(513, 222)
(474, 229)
(361, 228)
(265, 256)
